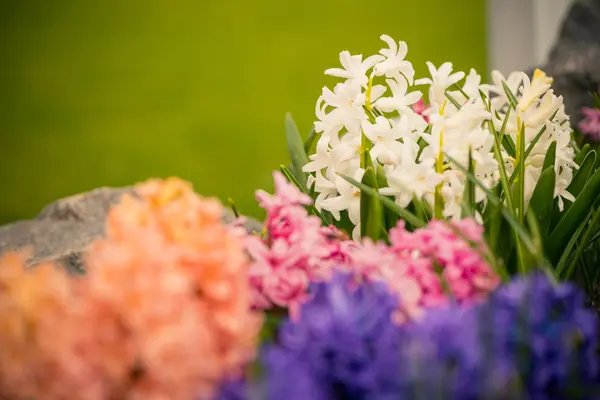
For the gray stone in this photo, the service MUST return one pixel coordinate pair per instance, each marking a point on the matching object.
(574, 61)
(64, 229)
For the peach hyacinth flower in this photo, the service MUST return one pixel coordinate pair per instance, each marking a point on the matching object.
(39, 332)
(164, 311)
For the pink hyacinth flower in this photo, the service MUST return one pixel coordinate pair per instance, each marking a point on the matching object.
(419, 107)
(295, 251)
(590, 125)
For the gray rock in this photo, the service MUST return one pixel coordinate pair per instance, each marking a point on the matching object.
(574, 61)
(577, 49)
(64, 229)
(90, 206)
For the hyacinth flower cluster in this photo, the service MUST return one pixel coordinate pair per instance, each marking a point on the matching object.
(428, 267)
(389, 147)
(531, 339)
(345, 346)
(296, 249)
(378, 110)
(164, 310)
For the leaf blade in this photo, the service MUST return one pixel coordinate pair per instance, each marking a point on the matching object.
(296, 150)
(574, 217)
(370, 208)
(542, 199)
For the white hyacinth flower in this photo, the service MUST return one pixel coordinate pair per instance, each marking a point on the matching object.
(355, 69)
(348, 198)
(347, 100)
(500, 99)
(395, 66)
(441, 79)
(322, 158)
(400, 100)
(325, 188)
(385, 137)
(411, 179)
(533, 89)
(412, 146)
(546, 108)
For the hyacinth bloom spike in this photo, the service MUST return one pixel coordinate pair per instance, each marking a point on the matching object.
(163, 312)
(508, 347)
(461, 121)
(339, 345)
(298, 251)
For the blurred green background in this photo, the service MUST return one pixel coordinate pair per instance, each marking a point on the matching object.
(113, 92)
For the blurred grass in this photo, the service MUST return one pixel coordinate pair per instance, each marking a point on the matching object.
(113, 92)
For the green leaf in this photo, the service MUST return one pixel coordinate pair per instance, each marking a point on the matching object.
(453, 101)
(542, 199)
(381, 178)
(468, 205)
(458, 88)
(296, 149)
(371, 218)
(233, 207)
(583, 174)
(574, 217)
(272, 320)
(505, 121)
(596, 147)
(507, 142)
(391, 218)
(550, 158)
(288, 174)
(596, 98)
(509, 145)
(312, 190)
(535, 140)
(309, 144)
(582, 154)
(595, 218)
(422, 209)
(530, 260)
(511, 97)
(492, 219)
(505, 244)
(564, 258)
(404, 214)
(521, 173)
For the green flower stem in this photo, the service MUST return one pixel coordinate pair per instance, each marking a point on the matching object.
(521, 167)
(365, 143)
(498, 155)
(365, 147)
(368, 94)
(438, 203)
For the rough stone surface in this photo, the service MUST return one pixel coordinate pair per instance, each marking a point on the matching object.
(574, 61)
(64, 229)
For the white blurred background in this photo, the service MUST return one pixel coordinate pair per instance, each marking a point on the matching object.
(521, 32)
